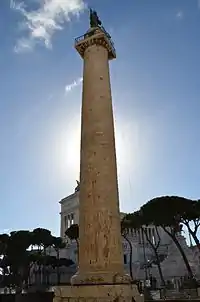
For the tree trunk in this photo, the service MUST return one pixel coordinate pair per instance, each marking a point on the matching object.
(144, 254)
(194, 235)
(157, 258)
(44, 279)
(196, 240)
(130, 256)
(159, 269)
(181, 252)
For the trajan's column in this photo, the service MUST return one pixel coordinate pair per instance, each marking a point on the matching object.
(101, 271)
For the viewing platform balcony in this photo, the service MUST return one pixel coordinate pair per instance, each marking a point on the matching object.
(99, 36)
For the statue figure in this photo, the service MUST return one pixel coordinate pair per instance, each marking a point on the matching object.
(94, 19)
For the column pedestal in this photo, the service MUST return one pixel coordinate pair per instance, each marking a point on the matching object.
(93, 278)
(98, 293)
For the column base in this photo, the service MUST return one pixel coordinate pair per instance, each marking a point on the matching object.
(98, 293)
(105, 278)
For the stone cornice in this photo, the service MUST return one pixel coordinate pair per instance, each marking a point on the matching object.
(95, 37)
(68, 198)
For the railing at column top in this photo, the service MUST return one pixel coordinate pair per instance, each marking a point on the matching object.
(89, 34)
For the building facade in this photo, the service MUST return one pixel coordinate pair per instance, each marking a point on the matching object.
(143, 257)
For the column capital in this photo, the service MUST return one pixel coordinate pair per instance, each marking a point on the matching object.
(95, 36)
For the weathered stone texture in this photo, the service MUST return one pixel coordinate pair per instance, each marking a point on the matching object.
(100, 242)
(100, 256)
(97, 293)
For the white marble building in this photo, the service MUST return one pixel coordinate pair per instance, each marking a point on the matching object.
(172, 265)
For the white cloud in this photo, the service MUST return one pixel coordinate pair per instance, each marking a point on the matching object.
(24, 44)
(179, 15)
(40, 24)
(71, 86)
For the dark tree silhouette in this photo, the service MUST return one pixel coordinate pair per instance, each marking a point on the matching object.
(164, 212)
(73, 234)
(126, 226)
(58, 244)
(190, 217)
(137, 221)
(17, 259)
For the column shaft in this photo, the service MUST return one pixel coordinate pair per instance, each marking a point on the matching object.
(100, 234)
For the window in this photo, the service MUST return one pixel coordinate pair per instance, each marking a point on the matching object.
(65, 221)
(68, 221)
(154, 236)
(72, 219)
(125, 259)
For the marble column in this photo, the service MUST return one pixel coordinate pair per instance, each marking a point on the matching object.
(101, 269)
(100, 250)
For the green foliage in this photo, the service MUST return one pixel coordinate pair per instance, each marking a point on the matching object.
(174, 211)
(41, 237)
(168, 212)
(57, 243)
(131, 221)
(73, 232)
(190, 217)
(138, 221)
(16, 257)
(65, 262)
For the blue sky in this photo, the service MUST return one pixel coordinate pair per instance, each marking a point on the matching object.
(155, 86)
